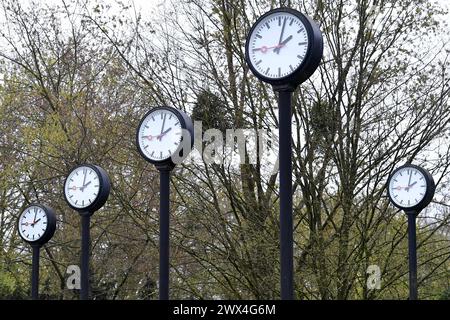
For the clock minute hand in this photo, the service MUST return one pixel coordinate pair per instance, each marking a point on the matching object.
(164, 122)
(282, 44)
(409, 180)
(277, 50)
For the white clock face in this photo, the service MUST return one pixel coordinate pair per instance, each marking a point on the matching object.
(33, 223)
(82, 187)
(159, 135)
(407, 187)
(278, 45)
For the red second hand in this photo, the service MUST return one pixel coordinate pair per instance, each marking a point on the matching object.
(264, 48)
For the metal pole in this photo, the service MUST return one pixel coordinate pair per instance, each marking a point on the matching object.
(85, 243)
(164, 198)
(285, 164)
(35, 273)
(412, 248)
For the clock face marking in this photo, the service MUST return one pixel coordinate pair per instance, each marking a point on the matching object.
(32, 223)
(82, 187)
(405, 189)
(278, 48)
(156, 138)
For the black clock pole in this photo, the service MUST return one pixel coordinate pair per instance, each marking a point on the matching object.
(35, 272)
(412, 257)
(285, 165)
(164, 222)
(85, 244)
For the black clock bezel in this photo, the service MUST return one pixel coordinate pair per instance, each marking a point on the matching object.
(51, 224)
(313, 55)
(103, 192)
(186, 124)
(429, 193)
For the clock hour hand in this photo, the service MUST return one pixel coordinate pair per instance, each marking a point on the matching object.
(85, 185)
(282, 44)
(410, 185)
(163, 133)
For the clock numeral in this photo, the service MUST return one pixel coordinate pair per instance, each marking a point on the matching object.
(300, 57)
(258, 62)
(267, 71)
(279, 21)
(302, 43)
(290, 67)
(292, 21)
(267, 25)
(258, 36)
(177, 123)
(300, 30)
(153, 118)
(160, 154)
